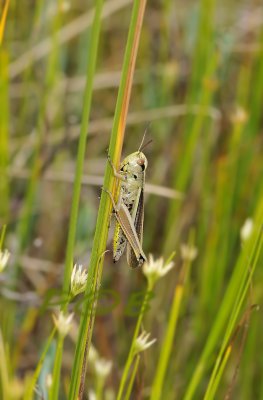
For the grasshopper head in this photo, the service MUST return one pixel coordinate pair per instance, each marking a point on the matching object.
(137, 161)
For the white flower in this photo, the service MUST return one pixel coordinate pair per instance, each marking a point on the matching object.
(102, 367)
(92, 395)
(246, 229)
(4, 257)
(63, 322)
(239, 116)
(188, 252)
(79, 278)
(155, 269)
(141, 343)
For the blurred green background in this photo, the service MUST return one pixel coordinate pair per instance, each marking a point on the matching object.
(199, 82)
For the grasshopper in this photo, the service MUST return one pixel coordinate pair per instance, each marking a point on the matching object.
(129, 211)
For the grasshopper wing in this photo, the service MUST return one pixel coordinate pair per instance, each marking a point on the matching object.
(126, 223)
(132, 260)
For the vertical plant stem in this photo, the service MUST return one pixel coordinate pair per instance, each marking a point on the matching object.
(210, 395)
(193, 132)
(4, 133)
(54, 390)
(231, 303)
(211, 277)
(4, 378)
(3, 20)
(2, 236)
(30, 389)
(135, 335)
(204, 64)
(101, 232)
(99, 388)
(91, 66)
(25, 224)
(169, 335)
(132, 377)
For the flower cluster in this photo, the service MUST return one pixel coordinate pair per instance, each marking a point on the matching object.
(141, 342)
(188, 252)
(101, 366)
(79, 278)
(156, 269)
(63, 322)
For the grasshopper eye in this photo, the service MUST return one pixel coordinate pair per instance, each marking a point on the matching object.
(141, 161)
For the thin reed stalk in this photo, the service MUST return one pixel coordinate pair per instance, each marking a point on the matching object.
(101, 232)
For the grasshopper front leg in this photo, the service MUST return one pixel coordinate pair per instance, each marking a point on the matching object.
(117, 174)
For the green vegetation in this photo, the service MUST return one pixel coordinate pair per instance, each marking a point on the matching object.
(78, 81)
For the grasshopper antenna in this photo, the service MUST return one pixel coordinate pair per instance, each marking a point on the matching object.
(142, 146)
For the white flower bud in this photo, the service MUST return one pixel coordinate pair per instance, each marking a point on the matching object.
(102, 367)
(188, 252)
(156, 269)
(63, 322)
(246, 229)
(79, 278)
(141, 343)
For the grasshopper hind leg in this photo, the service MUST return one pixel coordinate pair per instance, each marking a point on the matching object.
(119, 243)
